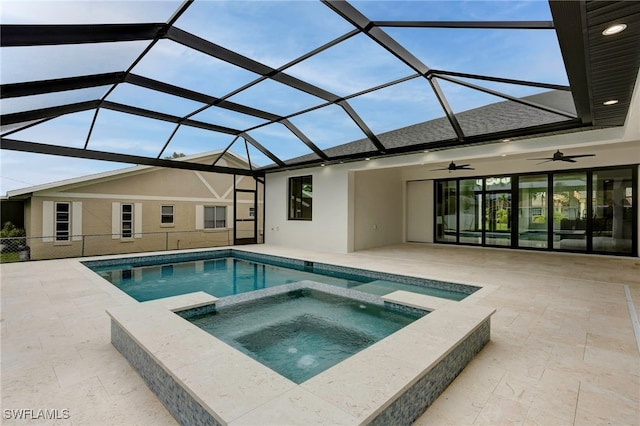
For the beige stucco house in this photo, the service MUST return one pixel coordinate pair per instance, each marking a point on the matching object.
(143, 208)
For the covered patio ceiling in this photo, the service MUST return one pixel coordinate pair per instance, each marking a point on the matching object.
(293, 84)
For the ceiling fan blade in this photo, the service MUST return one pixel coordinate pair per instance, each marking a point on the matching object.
(568, 160)
(579, 156)
(544, 158)
(462, 166)
(445, 168)
(547, 160)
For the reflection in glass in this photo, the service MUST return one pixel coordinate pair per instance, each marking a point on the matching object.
(446, 211)
(471, 215)
(570, 211)
(612, 211)
(498, 219)
(532, 211)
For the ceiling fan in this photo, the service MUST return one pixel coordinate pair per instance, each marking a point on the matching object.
(453, 166)
(559, 156)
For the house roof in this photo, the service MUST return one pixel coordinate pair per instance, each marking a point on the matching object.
(598, 68)
(197, 159)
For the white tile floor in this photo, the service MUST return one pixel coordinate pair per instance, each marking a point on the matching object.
(562, 348)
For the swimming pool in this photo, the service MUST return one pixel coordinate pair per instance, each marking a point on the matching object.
(229, 272)
(202, 379)
(301, 333)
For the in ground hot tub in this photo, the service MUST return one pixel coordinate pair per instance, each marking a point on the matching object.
(203, 380)
(303, 332)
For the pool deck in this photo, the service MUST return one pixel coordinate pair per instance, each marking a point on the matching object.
(562, 349)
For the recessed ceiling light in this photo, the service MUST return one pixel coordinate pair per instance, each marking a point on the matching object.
(367, 159)
(506, 140)
(614, 29)
(322, 165)
(610, 102)
(503, 155)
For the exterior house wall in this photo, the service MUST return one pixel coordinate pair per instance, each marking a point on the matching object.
(345, 207)
(330, 213)
(378, 207)
(96, 215)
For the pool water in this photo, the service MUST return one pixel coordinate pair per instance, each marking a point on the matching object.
(228, 276)
(304, 332)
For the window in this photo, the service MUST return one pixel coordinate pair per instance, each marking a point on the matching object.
(582, 210)
(62, 221)
(127, 220)
(533, 223)
(300, 197)
(215, 217)
(166, 216)
(612, 211)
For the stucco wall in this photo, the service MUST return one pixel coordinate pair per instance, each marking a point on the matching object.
(378, 208)
(330, 213)
(346, 206)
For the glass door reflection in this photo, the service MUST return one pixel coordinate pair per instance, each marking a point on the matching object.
(570, 211)
(612, 210)
(471, 216)
(498, 219)
(533, 223)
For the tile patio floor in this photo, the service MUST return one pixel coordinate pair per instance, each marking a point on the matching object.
(562, 349)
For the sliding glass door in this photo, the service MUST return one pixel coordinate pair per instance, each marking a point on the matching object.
(497, 218)
(446, 211)
(592, 211)
(570, 211)
(471, 216)
(612, 207)
(533, 197)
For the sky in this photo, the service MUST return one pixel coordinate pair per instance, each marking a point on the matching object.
(273, 33)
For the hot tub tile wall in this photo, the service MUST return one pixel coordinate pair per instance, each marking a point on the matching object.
(405, 309)
(400, 406)
(200, 310)
(274, 291)
(179, 402)
(414, 402)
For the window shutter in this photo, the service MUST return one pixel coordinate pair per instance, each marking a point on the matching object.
(199, 216)
(47, 221)
(115, 221)
(137, 217)
(76, 221)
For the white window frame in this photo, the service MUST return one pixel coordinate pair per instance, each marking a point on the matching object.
(219, 217)
(57, 222)
(123, 221)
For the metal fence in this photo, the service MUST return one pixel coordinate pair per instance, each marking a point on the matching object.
(20, 249)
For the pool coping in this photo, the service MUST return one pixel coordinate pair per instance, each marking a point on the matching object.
(232, 388)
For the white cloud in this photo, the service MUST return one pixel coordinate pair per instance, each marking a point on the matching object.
(85, 11)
